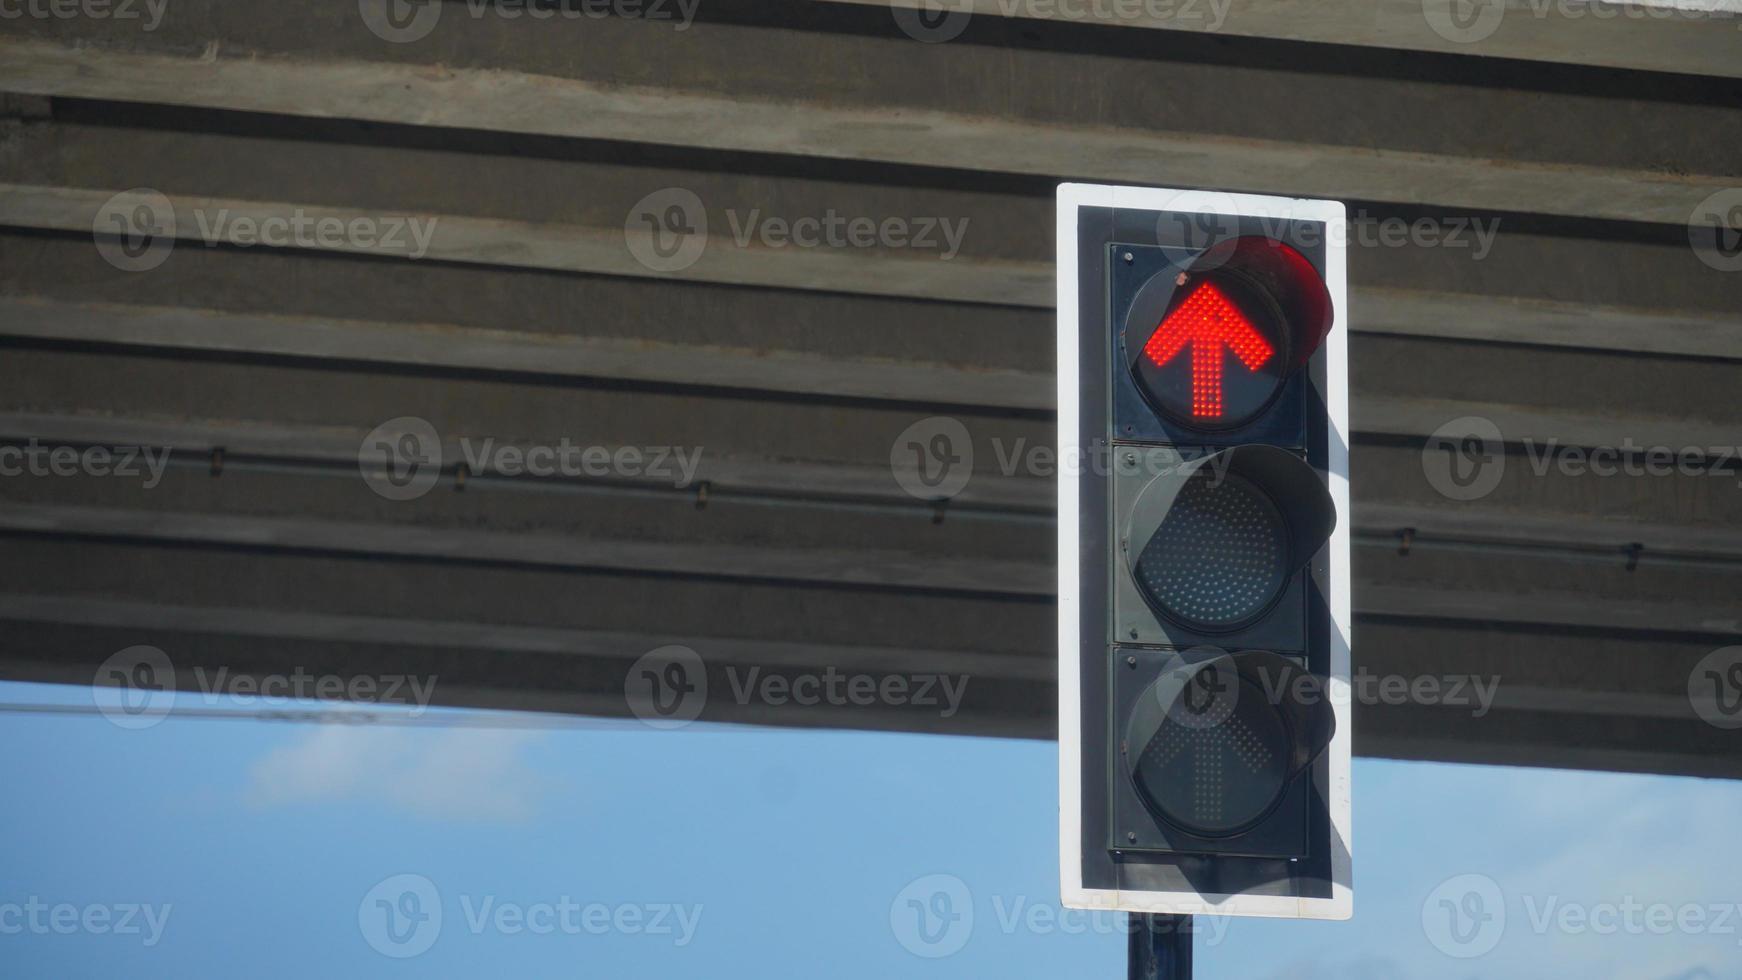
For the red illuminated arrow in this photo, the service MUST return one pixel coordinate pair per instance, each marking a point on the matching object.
(1207, 321)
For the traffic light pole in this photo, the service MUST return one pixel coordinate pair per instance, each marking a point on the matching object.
(1161, 947)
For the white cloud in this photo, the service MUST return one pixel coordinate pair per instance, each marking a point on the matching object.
(449, 774)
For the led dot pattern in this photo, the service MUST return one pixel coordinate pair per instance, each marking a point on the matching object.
(1208, 321)
(1216, 780)
(1219, 557)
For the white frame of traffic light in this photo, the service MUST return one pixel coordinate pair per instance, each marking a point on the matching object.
(1332, 214)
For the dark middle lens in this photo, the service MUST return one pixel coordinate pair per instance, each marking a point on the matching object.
(1219, 558)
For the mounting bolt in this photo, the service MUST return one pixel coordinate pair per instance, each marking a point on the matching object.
(1128, 257)
(1134, 636)
(1180, 279)
(1131, 661)
(1131, 837)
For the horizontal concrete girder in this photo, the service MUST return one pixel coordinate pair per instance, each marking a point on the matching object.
(1448, 580)
(1496, 571)
(1695, 39)
(1541, 492)
(1580, 700)
(530, 608)
(1604, 702)
(542, 610)
(45, 645)
(565, 248)
(1477, 314)
(1421, 272)
(1576, 398)
(1545, 495)
(440, 345)
(1639, 150)
(298, 409)
(328, 306)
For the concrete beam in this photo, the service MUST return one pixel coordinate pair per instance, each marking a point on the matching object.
(526, 609)
(526, 245)
(1479, 314)
(1682, 38)
(573, 682)
(1447, 581)
(821, 447)
(1637, 151)
(1577, 398)
(888, 569)
(1541, 496)
(1497, 572)
(311, 411)
(518, 351)
(1610, 698)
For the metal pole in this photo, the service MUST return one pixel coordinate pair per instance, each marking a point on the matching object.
(1161, 947)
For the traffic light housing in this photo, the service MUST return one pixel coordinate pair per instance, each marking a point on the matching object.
(1203, 553)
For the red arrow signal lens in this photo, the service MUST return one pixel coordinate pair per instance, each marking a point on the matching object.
(1212, 326)
(1211, 342)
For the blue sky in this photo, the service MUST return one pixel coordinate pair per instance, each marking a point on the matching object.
(261, 848)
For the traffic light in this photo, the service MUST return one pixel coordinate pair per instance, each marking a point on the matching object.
(1204, 725)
